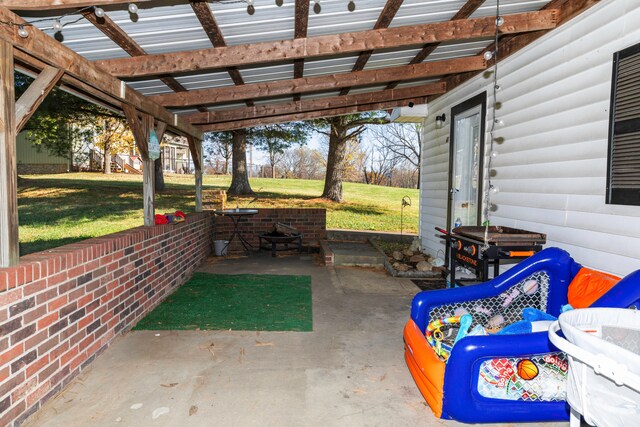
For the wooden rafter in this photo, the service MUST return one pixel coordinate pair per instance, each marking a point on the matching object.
(320, 83)
(241, 124)
(465, 11)
(384, 20)
(61, 4)
(327, 103)
(507, 45)
(211, 28)
(301, 23)
(51, 52)
(35, 94)
(328, 45)
(129, 45)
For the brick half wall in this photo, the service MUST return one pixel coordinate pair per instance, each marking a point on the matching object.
(61, 308)
(312, 223)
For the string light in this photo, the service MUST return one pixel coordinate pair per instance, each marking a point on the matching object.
(57, 26)
(98, 11)
(496, 121)
(22, 32)
(133, 8)
(316, 7)
(351, 6)
(279, 3)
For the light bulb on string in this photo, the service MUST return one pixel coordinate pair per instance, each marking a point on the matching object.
(488, 55)
(98, 11)
(495, 189)
(499, 21)
(494, 154)
(499, 122)
(316, 7)
(497, 87)
(22, 32)
(133, 8)
(250, 8)
(351, 6)
(279, 3)
(493, 207)
(57, 25)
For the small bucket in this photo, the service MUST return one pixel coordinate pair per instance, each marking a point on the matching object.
(220, 247)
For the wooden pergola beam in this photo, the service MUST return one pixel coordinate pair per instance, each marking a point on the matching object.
(53, 53)
(286, 118)
(465, 11)
(508, 45)
(211, 28)
(129, 45)
(327, 103)
(328, 45)
(384, 20)
(62, 4)
(35, 94)
(320, 83)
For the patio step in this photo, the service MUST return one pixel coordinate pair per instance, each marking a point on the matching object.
(354, 254)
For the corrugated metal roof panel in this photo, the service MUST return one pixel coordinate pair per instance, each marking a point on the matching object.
(335, 18)
(488, 8)
(205, 81)
(268, 23)
(391, 58)
(150, 87)
(413, 12)
(317, 67)
(262, 74)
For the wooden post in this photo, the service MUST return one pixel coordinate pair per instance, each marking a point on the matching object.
(141, 130)
(9, 248)
(195, 147)
(198, 172)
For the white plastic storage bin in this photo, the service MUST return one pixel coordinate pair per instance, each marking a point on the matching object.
(603, 345)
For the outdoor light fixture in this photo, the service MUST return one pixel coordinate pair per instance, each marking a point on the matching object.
(440, 120)
(22, 32)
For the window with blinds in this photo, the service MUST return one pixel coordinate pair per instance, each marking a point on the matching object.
(623, 172)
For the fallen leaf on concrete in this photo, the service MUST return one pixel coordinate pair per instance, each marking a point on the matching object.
(384, 377)
(263, 344)
(170, 385)
(159, 412)
(193, 410)
(359, 391)
(241, 356)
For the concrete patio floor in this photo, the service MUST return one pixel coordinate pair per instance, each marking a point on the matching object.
(349, 371)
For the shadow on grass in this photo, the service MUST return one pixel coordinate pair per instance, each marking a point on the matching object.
(44, 244)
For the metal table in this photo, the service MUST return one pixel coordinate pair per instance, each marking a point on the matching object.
(236, 215)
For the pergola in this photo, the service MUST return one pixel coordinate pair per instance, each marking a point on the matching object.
(193, 66)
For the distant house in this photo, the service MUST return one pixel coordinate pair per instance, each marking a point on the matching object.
(32, 160)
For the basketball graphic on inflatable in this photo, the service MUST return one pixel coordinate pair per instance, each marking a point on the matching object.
(527, 370)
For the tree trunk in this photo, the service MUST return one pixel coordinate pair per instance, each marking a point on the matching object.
(335, 162)
(107, 159)
(159, 174)
(239, 177)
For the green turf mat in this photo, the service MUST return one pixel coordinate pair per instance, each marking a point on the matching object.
(245, 302)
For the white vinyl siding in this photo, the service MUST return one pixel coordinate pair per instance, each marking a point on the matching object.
(551, 168)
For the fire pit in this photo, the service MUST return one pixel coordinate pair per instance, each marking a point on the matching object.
(280, 239)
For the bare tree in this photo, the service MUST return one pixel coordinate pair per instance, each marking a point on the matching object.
(402, 140)
(379, 165)
(219, 145)
(240, 176)
(303, 163)
(340, 130)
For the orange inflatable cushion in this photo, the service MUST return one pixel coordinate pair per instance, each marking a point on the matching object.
(426, 368)
(588, 286)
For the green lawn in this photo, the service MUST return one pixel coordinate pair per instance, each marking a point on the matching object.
(58, 209)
